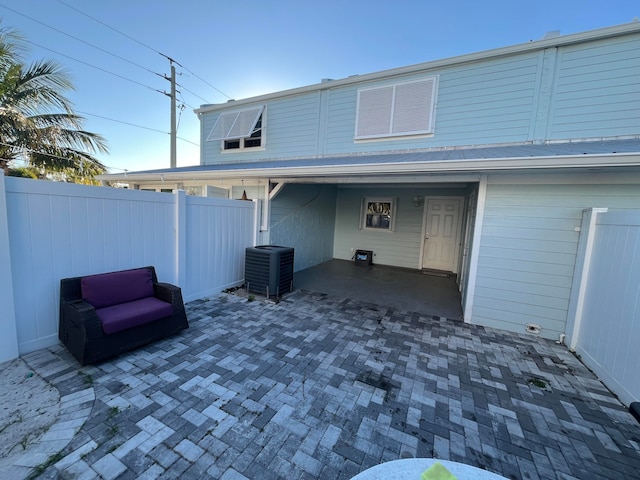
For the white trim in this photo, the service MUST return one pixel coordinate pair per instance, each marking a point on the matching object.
(9, 348)
(581, 274)
(236, 124)
(475, 250)
(436, 166)
(461, 213)
(393, 209)
(368, 116)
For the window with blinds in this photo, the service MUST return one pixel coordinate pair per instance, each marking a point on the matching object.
(396, 110)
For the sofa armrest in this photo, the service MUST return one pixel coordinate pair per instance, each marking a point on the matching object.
(81, 315)
(169, 293)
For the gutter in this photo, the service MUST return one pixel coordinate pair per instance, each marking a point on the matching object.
(400, 168)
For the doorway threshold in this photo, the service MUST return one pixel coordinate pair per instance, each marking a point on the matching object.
(437, 273)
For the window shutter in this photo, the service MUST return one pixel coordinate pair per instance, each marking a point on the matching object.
(412, 108)
(234, 125)
(374, 112)
(400, 109)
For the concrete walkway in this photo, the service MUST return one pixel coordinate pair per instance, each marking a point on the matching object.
(319, 387)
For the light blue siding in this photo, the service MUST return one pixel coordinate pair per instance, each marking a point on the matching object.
(400, 248)
(291, 127)
(481, 103)
(528, 249)
(582, 91)
(303, 217)
(597, 90)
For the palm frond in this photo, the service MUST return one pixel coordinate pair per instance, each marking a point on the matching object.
(37, 121)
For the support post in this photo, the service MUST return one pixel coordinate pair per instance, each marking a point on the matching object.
(475, 250)
(581, 274)
(9, 337)
(181, 239)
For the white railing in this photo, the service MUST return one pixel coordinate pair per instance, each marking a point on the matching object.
(58, 230)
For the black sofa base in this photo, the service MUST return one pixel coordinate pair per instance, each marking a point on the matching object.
(80, 330)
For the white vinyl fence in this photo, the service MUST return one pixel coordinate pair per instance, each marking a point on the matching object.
(606, 299)
(55, 230)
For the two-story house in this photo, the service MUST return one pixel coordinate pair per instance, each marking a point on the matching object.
(479, 164)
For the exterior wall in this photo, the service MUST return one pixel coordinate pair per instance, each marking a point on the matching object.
(596, 90)
(582, 91)
(303, 217)
(400, 248)
(291, 128)
(59, 230)
(528, 246)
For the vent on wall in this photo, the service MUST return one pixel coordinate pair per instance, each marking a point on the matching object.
(268, 270)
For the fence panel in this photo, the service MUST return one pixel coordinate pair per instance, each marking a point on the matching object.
(217, 233)
(610, 328)
(59, 230)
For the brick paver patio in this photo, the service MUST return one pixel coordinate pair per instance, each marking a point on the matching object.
(320, 387)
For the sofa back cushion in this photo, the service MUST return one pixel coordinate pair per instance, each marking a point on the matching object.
(114, 288)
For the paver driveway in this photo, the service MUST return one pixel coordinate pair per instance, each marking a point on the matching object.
(320, 387)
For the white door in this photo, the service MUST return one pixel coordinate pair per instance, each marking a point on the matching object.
(443, 222)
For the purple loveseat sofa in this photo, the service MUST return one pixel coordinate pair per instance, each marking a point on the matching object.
(104, 315)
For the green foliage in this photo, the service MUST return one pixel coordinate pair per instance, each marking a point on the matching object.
(538, 382)
(38, 126)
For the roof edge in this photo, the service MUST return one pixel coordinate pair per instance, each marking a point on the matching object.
(590, 35)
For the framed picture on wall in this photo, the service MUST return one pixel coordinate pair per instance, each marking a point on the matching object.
(378, 213)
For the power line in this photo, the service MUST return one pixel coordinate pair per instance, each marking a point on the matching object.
(82, 41)
(109, 26)
(146, 46)
(94, 66)
(203, 80)
(135, 125)
(193, 93)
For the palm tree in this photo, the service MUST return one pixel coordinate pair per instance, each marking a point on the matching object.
(37, 123)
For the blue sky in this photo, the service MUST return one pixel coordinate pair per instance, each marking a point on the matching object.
(244, 48)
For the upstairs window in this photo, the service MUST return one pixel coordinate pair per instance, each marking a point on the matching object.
(396, 110)
(239, 130)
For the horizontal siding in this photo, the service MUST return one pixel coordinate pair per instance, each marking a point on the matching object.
(400, 248)
(596, 92)
(479, 103)
(528, 250)
(586, 90)
(291, 129)
(303, 217)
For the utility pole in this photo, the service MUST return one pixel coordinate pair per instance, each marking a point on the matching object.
(174, 130)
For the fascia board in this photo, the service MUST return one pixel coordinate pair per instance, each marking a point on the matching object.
(372, 169)
(563, 40)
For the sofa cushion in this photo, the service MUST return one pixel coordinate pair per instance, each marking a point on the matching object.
(113, 288)
(131, 314)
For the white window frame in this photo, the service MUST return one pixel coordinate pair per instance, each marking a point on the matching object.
(238, 125)
(374, 220)
(381, 110)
